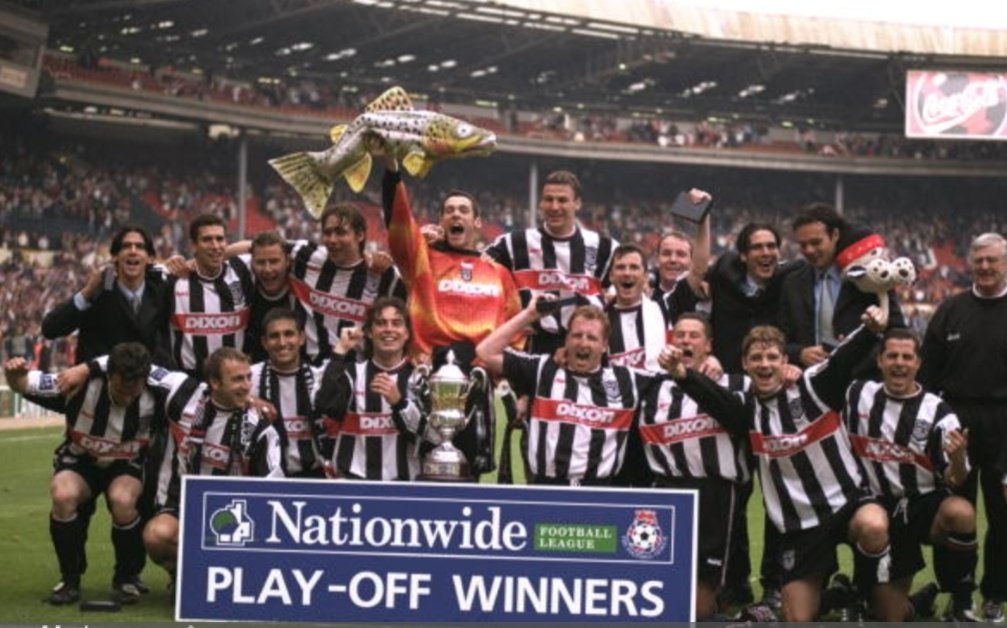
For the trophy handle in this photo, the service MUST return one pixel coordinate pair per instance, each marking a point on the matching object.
(419, 384)
(478, 379)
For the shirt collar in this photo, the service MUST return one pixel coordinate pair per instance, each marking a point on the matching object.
(129, 294)
(995, 296)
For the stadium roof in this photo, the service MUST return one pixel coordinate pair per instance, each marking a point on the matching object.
(497, 53)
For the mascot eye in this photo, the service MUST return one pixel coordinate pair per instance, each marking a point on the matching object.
(463, 131)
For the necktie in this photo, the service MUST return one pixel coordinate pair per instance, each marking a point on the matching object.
(134, 302)
(826, 307)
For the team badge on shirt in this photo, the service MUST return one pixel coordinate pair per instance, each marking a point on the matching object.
(921, 429)
(796, 408)
(237, 292)
(466, 271)
(611, 387)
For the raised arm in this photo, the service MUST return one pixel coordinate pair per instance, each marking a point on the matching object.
(726, 407)
(700, 248)
(831, 378)
(491, 350)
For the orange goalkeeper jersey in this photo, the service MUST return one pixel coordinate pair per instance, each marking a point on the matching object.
(454, 295)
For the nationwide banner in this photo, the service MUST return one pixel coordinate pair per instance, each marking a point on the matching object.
(956, 105)
(340, 551)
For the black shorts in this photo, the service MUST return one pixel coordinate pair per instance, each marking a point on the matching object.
(97, 477)
(717, 502)
(909, 529)
(812, 552)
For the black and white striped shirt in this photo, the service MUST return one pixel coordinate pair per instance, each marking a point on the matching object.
(235, 442)
(807, 468)
(681, 440)
(574, 266)
(577, 424)
(368, 437)
(209, 314)
(332, 297)
(900, 440)
(97, 427)
(638, 334)
(178, 398)
(293, 396)
(184, 397)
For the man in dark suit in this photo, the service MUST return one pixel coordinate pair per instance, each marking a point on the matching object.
(745, 287)
(129, 301)
(817, 308)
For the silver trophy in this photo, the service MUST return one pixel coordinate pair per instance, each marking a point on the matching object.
(449, 390)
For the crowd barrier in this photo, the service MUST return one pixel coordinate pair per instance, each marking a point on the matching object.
(14, 406)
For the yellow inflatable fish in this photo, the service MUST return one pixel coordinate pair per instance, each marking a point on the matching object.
(414, 137)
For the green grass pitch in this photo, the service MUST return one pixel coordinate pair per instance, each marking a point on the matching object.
(29, 564)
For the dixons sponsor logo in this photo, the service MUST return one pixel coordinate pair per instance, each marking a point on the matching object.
(104, 448)
(214, 323)
(583, 413)
(475, 529)
(785, 444)
(369, 424)
(884, 451)
(555, 279)
(456, 286)
(217, 456)
(297, 428)
(690, 427)
(335, 306)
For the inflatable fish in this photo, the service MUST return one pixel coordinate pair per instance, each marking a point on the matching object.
(416, 138)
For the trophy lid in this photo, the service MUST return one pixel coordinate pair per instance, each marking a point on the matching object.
(449, 372)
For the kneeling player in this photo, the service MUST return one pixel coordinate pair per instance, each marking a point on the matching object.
(687, 449)
(811, 481)
(214, 429)
(109, 424)
(914, 452)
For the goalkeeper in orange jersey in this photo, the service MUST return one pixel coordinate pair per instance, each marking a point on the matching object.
(456, 297)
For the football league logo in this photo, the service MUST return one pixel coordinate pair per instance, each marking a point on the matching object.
(231, 526)
(644, 537)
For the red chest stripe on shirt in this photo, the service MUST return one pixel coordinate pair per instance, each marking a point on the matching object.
(210, 324)
(104, 448)
(557, 280)
(368, 424)
(328, 304)
(881, 450)
(681, 429)
(783, 445)
(588, 416)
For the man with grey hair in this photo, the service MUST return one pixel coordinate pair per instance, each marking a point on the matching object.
(965, 360)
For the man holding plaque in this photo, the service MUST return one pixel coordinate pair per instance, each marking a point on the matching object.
(682, 262)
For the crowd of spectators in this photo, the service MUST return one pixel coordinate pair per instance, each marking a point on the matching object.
(61, 197)
(307, 97)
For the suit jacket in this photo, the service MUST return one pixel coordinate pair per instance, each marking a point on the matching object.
(735, 313)
(797, 314)
(110, 320)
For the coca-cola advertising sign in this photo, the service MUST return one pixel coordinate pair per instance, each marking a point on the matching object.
(969, 105)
